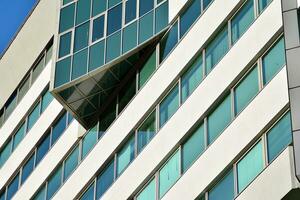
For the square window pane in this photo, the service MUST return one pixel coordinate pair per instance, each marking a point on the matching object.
(89, 193)
(113, 49)
(216, 49)
(65, 44)
(98, 28)
(13, 187)
(250, 166)
(79, 67)
(273, 61)
(149, 192)
(169, 174)
(54, 183)
(279, 137)
(147, 69)
(146, 27)
(58, 128)
(161, 17)
(114, 19)
(89, 141)
(71, 163)
(105, 180)
(262, 4)
(66, 20)
(18, 137)
(193, 147)
(33, 116)
(125, 156)
(99, 6)
(46, 100)
(42, 149)
(169, 106)
(5, 152)
(81, 36)
(146, 6)
(146, 132)
(27, 169)
(191, 78)
(224, 189)
(189, 16)
(83, 11)
(130, 11)
(62, 72)
(168, 42)
(129, 37)
(246, 90)
(219, 119)
(242, 20)
(96, 55)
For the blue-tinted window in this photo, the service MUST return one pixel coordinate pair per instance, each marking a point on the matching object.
(5, 152)
(216, 49)
(206, 3)
(146, 27)
(146, 132)
(168, 106)
(89, 141)
(113, 46)
(2, 195)
(96, 55)
(147, 69)
(112, 3)
(81, 36)
(224, 190)
(27, 169)
(189, 16)
(41, 194)
(125, 156)
(161, 17)
(42, 149)
(242, 20)
(66, 18)
(130, 11)
(262, 4)
(59, 128)
(46, 99)
(62, 71)
(10, 105)
(71, 162)
(33, 116)
(130, 37)
(12, 187)
(98, 28)
(19, 136)
(279, 137)
(99, 6)
(54, 183)
(146, 6)
(79, 66)
(219, 119)
(104, 180)
(83, 11)
(89, 193)
(65, 44)
(168, 42)
(114, 19)
(149, 192)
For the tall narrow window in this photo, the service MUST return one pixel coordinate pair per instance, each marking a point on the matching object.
(168, 42)
(33, 116)
(114, 19)
(130, 11)
(224, 189)
(71, 162)
(89, 141)
(149, 192)
(105, 179)
(147, 70)
(146, 132)
(98, 28)
(27, 169)
(146, 6)
(81, 36)
(18, 137)
(5, 152)
(189, 16)
(83, 11)
(89, 193)
(54, 183)
(125, 156)
(13, 187)
(59, 128)
(66, 20)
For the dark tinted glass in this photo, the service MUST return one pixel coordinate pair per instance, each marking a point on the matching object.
(168, 42)
(145, 6)
(130, 37)
(113, 49)
(83, 11)
(79, 64)
(130, 11)
(98, 28)
(65, 44)
(66, 18)
(161, 17)
(105, 179)
(146, 27)
(27, 169)
(12, 187)
(189, 16)
(96, 55)
(114, 19)
(62, 71)
(81, 36)
(54, 183)
(99, 6)
(59, 128)
(42, 149)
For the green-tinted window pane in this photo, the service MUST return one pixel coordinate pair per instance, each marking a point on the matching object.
(169, 174)
(81, 36)
(262, 4)
(168, 106)
(54, 183)
(79, 64)
(113, 48)
(99, 6)
(19, 136)
(130, 37)
(111, 3)
(219, 119)
(193, 147)
(5, 153)
(89, 141)
(71, 162)
(191, 78)
(146, 27)
(250, 166)
(148, 193)
(206, 3)
(146, 6)
(279, 137)
(189, 16)
(89, 193)
(98, 28)
(146, 132)
(161, 17)
(224, 190)
(46, 99)
(242, 20)
(273, 61)
(66, 1)
(23, 89)
(125, 156)
(130, 11)
(168, 42)
(33, 116)
(62, 71)
(38, 69)
(104, 180)
(114, 19)
(41, 194)
(246, 90)
(66, 18)
(65, 44)
(216, 49)
(96, 55)
(147, 70)
(83, 11)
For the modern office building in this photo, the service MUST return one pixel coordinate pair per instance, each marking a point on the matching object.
(152, 99)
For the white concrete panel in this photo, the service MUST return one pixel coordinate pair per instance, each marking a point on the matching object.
(239, 134)
(48, 164)
(158, 84)
(25, 104)
(174, 7)
(275, 181)
(29, 141)
(28, 44)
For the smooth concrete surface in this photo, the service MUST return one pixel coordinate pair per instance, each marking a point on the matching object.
(28, 44)
(175, 7)
(25, 104)
(270, 21)
(275, 181)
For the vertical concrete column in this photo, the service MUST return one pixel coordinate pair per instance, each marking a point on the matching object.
(290, 13)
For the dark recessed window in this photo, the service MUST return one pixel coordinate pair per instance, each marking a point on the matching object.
(146, 6)
(98, 28)
(114, 19)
